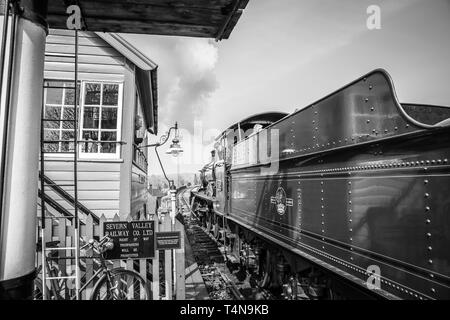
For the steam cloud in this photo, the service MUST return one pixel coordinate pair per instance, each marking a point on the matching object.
(190, 82)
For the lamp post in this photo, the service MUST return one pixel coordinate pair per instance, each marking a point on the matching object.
(174, 149)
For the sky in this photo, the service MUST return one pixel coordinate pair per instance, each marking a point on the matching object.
(284, 55)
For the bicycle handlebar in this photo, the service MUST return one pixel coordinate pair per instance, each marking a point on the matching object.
(103, 244)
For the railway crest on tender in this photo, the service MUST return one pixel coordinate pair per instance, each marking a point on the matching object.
(281, 201)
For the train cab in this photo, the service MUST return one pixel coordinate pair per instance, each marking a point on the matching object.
(224, 154)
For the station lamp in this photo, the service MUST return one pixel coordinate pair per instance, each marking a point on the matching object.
(175, 149)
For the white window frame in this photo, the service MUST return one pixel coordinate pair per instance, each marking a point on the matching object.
(97, 155)
(59, 154)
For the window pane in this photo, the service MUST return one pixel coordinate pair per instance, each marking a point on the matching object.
(67, 135)
(110, 94)
(90, 135)
(89, 147)
(108, 148)
(68, 98)
(68, 114)
(50, 135)
(92, 93)
(109, 118)
(91, 117)
(52, 112)
(108, 136)
(51, 147)
(54, 96)
(67, 147)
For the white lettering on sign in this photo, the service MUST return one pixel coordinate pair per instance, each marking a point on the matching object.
(74, 20)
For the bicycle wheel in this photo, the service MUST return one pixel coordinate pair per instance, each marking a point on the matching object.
(37, 292)
(124, 285)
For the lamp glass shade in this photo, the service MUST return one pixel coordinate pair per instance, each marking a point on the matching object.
(175, 149)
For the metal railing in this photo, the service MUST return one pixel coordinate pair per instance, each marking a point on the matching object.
(139, 158)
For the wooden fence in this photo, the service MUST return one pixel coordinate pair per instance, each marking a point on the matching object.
(165, 282)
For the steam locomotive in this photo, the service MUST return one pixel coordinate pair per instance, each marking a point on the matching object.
(348, 197)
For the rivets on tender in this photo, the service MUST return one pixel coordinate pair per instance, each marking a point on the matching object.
(428, 221)
(433, 290)
(425, 181)
(429, 235)
(427, 195)
(427, 208)
(430, 261)
(430, 248)
(366, 99)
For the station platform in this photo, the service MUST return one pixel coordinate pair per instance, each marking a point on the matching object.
(195, 286)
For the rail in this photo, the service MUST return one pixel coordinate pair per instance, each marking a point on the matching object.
(69, 198)
(139, 158)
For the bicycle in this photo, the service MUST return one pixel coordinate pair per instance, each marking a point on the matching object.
(112, 284)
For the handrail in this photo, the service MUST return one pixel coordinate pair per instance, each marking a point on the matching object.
(64, 194)
(55, 205)
(139, 158)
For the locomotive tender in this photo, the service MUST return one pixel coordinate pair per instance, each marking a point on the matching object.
(346, 198)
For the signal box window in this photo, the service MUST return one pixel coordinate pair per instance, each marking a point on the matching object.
(99, 118)
(58, 113)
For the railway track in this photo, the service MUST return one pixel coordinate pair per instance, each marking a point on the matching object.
(221, 282)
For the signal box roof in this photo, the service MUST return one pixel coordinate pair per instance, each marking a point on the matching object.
(192, 18)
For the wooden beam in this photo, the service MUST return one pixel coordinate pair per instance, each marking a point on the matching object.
(194, 18)
(102, 24)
